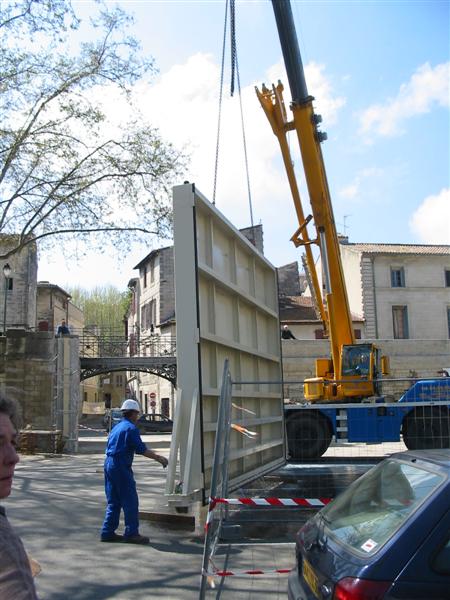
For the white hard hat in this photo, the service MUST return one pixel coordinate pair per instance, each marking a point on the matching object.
(130, 405)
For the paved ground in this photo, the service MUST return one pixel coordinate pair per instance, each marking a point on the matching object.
(57, 506)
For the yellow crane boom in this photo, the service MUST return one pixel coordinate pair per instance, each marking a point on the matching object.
(352, 370)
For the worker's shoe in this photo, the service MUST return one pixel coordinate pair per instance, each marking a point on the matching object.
(111, 537)
(137, 538)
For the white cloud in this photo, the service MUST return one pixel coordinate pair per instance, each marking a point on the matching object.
(183, 104)
(353, 191)
(319, 86)
(428, 87)
(349, 191)
(431, 221)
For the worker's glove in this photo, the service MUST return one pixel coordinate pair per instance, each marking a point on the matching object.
(163, 460)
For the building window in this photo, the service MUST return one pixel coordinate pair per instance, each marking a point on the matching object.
(318, 334)
(119, 380)
(357, 334)
(397, 277)
(144, 274)
(400, 322)
(10, 283)
(152, 314)
(85, 397)
(152, 271)
(447, 277)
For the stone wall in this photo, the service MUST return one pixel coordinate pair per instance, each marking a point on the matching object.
(42, 374)
(27, 374)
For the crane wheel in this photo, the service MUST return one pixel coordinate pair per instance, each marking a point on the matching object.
(308, 436)
(427, 427)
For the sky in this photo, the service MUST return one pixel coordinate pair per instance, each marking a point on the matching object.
(379, 72)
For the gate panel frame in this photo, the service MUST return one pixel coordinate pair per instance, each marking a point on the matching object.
(216, 266)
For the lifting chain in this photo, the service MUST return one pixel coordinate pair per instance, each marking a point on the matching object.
(234, 75)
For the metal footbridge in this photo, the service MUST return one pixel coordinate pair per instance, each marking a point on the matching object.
(104, 352)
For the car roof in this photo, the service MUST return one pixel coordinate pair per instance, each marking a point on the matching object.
(439, 457)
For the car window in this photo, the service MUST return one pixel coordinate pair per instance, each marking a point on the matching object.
(371, 510)
(441, 562)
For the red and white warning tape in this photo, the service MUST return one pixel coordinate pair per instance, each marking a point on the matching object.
(91, 428)
(310, 502)
(249, 573)
(306, 502)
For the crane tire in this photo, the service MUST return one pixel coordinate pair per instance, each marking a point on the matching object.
(427, 427)
(308, 436)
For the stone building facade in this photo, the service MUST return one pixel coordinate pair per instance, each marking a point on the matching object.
(402, 291)
(18, 291)
(53, 304)
(151, 326)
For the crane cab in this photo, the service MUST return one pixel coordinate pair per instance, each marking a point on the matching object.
(361, 365)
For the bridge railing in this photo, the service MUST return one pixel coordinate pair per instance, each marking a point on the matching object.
(114, 344)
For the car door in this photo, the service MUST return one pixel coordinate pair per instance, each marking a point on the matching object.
(146, 424)
(427, 575)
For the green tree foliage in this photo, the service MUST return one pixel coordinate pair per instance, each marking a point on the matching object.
(67, 167)
(103, 306)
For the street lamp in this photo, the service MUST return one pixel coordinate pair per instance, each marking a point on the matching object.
(6, 273)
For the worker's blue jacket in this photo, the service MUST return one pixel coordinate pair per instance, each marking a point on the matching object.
(123, 441)
(120, 487)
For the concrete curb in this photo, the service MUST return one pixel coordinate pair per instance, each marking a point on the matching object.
(185, 521)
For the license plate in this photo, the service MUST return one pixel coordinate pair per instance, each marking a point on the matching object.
(310, 578)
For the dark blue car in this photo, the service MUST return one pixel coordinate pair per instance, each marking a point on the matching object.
(386, 537)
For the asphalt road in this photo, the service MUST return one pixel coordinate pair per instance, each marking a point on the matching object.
(57, 506)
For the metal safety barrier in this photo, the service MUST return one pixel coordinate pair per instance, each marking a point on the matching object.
(219, 502)
(219, 477)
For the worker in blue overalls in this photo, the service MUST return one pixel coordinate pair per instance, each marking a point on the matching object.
(120, 488)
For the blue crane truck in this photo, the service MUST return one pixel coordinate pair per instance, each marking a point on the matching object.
(421, 417)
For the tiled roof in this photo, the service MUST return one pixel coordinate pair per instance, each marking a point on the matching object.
(53, 286)
(300, 308)
(150, 256)
(400, 248)
(296, 308)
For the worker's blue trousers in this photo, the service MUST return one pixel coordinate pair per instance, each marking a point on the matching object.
(120, 490)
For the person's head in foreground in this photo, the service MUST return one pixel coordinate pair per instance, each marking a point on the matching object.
(8, 442)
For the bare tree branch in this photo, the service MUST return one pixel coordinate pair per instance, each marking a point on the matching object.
(61, 171)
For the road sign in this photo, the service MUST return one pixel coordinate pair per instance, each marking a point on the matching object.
(152, 395)
(152, 403)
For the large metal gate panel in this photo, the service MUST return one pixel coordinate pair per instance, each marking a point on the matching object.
(226, 308)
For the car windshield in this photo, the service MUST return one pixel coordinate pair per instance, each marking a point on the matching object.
(370, 511)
